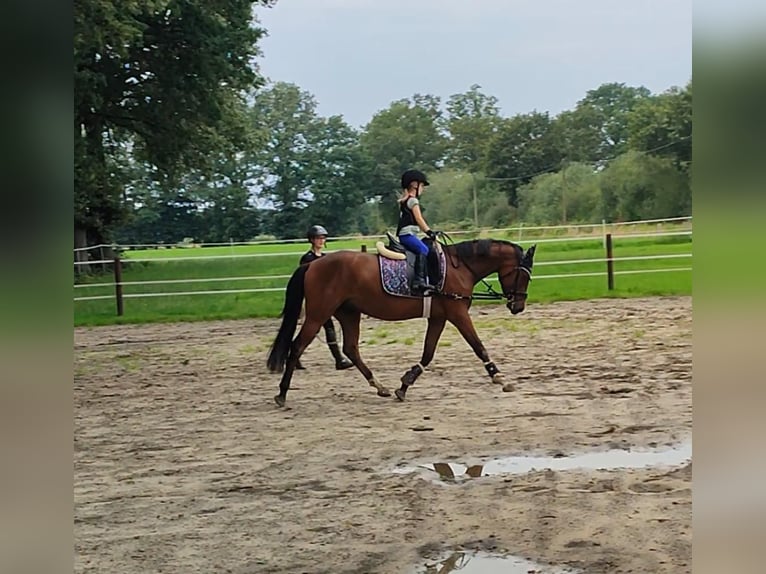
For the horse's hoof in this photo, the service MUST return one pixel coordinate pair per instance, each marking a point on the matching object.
(382, 391)
(399, 394)
(280, 400)
(508, 387)
(498, 378)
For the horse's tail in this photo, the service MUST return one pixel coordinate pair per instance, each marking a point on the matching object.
(280, 349)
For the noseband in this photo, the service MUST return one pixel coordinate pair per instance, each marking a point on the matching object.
(513, 293)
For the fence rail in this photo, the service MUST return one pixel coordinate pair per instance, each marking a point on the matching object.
(519, 230)
(272, 277)
(118, 284)
(275, 289)
(298, 253)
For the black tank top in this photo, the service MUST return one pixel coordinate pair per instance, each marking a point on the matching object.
(310, 256)
(406, 217)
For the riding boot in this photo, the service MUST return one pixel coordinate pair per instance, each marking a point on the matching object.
(420, 279)
(341, 362)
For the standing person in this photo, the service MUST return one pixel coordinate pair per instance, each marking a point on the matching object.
(317, 235)
(411, 221)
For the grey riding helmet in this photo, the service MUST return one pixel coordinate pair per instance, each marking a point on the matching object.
(316, 231)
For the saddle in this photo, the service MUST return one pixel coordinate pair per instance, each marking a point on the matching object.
(397, 266)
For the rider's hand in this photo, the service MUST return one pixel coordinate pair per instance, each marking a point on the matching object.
(432, 234)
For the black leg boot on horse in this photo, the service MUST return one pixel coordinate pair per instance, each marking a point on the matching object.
(420, 284)
(341, 362)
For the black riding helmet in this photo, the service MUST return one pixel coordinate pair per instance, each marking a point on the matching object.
(413, 175)
(316, 231)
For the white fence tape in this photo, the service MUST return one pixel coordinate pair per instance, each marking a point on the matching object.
(275, 289)
(604, 273)
(179, 293)
(272, 277)
(519, 228)
(298, 253)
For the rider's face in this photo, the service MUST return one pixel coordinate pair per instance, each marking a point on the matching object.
(318, 241)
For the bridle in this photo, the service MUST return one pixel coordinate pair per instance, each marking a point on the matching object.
(510, 296)
(513, 293)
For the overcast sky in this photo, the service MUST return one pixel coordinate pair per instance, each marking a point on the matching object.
(357, 56)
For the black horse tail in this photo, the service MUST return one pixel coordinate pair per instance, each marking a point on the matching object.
(280, 349)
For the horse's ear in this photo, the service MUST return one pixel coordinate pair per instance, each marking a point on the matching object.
(528, 259)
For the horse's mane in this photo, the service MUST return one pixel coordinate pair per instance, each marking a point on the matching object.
(482, 247)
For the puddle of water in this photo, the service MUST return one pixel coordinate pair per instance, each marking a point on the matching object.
(605, 460)
(482, 563)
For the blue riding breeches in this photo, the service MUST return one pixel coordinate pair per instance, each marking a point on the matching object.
(414, 244)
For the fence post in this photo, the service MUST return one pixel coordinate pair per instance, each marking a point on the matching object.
(364, 248)
(609, 262)
(118, 283)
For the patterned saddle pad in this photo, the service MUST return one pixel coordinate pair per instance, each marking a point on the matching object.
(396, 274)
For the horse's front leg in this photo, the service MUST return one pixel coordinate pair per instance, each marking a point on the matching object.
(349, 322)
(435, 328)
(464, 324)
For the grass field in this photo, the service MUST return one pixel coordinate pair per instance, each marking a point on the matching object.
(184, 264)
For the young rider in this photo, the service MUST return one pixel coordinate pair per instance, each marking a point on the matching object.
(411, 221)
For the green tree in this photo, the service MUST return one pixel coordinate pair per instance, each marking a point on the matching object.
(405, 135)
(662, 124)
(579, 134)
(208, 207)
(449, 201)
(472, 118)
(226, 210)
(643, 186)
(167, 218)
(570, 195)
(343, 178)
(606, 110)
(166, 78)
(524, 146)
(287, 117)
(311, 169)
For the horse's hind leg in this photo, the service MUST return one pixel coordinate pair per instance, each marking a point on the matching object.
(435, 328)
(349, 321)
(307, 333)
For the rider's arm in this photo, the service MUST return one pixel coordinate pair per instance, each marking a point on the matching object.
(419, 219)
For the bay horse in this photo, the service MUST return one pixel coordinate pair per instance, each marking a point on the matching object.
(346, 284)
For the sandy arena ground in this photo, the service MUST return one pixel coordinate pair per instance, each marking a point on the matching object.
(184, 464)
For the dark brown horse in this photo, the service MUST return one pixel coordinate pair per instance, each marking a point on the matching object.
(348, 283)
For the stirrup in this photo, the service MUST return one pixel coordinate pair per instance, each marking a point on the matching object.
(424, 290)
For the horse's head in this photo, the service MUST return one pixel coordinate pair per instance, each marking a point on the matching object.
(515, 275)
